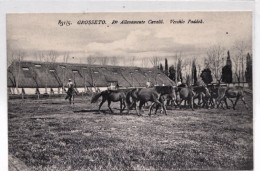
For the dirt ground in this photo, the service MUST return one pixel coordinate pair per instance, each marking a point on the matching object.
(51, 134)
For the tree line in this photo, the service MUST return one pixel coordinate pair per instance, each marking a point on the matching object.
(213, 70)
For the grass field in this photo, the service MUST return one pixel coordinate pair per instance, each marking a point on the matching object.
(53, 135)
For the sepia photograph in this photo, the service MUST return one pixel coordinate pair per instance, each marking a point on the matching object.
(130, 90)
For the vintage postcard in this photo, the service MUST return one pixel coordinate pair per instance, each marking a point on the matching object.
(130, 90)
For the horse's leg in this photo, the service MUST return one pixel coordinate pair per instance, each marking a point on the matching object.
(129, 106)
(196, 97)
(243, 99)
(151, 107)
(108, 104)
(225, 100)
(168, 102)
(211, 102)
(218, 101)
(231, 101)
(195, 103)
(133, 104)
(156, 108)
(215, 102)
(201, 101)
(172, 102)
(137, 108)
(206, 103)
(222, 105)
(102, 102)
(73, 98)
(160, 104)
(140, 107)
(198, 104)
(164, 103)
(67, 96)
(191, 101)
(70, 99)
(180, 103)
(121, 106)
(234, 105)
(176, 103)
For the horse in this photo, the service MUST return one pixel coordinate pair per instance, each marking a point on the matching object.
(148, 94)
(167, 98)
(202, 94)
(185, 93)
(230, 92)
(213, 89)
(111, 96)
(71, 93)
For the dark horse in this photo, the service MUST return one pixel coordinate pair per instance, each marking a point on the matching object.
(185, 93)
(202, 94)
(230, 92)
(111, 96)
(167, 99)
(148, 94)
(70, 94)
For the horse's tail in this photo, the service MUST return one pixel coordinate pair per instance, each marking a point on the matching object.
(96, 97)
(128, 95)
(128, 101)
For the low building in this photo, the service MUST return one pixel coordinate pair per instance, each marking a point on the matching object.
(33, 77)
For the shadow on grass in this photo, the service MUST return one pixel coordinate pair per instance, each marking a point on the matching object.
(94, 111)
(53, 103)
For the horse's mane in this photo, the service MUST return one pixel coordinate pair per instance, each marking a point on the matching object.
(95, 97)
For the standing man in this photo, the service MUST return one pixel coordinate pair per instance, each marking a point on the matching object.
(70, 86)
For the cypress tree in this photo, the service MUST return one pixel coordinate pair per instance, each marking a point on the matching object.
(166, 69)
(206, 76)
(179, 70)
(172, 72)
(194, 73)
(248, 72)
(226, 76)
(161, 67)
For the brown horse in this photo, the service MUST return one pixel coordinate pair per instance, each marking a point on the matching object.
(202, 94)
(213, 89)
(148, 94)
(111, 96)
(230, 93)
(187, 94)
(168, 99)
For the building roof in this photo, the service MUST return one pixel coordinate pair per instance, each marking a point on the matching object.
(33, 74)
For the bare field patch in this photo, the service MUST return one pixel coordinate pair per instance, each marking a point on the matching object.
(53, 135)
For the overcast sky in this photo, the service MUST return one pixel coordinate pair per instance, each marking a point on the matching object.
(41, 32)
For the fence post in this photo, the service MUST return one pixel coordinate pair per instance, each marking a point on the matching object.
(38, 92)
(23, 92)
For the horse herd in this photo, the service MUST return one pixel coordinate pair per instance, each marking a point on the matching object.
(211, 96)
